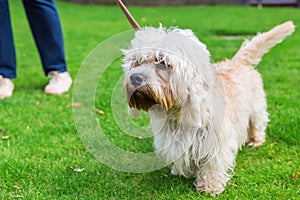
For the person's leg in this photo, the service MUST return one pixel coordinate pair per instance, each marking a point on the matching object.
(7, 52)
(7, 49)
(46, 29)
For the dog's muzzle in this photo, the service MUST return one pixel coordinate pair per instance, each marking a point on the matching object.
(137, 79)
(142, 94)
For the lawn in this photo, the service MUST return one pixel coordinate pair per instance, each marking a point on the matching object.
(40, 144)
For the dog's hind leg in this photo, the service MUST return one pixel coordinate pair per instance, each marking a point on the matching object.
(257, 126)
(258, 121)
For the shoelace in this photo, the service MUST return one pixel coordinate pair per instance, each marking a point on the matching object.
(55, 77)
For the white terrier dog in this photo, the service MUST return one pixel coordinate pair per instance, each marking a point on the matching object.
(207, 111)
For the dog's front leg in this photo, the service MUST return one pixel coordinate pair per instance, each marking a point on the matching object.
(212, 176)
(210, 181)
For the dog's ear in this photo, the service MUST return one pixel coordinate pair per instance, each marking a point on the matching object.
(134, 112)
(196, 108)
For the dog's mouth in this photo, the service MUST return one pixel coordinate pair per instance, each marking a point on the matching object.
(144, 97)
(141, 101)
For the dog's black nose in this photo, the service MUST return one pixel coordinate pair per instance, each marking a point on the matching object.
(137, 79)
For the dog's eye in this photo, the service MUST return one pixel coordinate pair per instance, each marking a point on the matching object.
(162, 65)
(136, 64)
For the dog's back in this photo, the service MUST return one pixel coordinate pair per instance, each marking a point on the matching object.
(243, 84)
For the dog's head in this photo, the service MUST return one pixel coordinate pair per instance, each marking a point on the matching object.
(169, 67)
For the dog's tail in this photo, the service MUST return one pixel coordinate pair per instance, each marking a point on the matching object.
(252, 51)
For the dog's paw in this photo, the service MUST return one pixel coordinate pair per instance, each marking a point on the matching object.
(254, 143)
(213, 188)
(257, 141)
(174, 171)
(211, 183)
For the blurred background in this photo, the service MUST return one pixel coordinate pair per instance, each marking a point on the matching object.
(194, 2)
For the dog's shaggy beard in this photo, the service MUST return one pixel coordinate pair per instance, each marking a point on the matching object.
(142, 98)
(147, 95)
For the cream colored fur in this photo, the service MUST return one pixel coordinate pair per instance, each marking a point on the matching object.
(214, 109)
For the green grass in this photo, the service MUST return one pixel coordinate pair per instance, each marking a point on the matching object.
(35, 162)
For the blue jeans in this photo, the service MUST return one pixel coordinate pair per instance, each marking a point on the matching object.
(46, 29)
